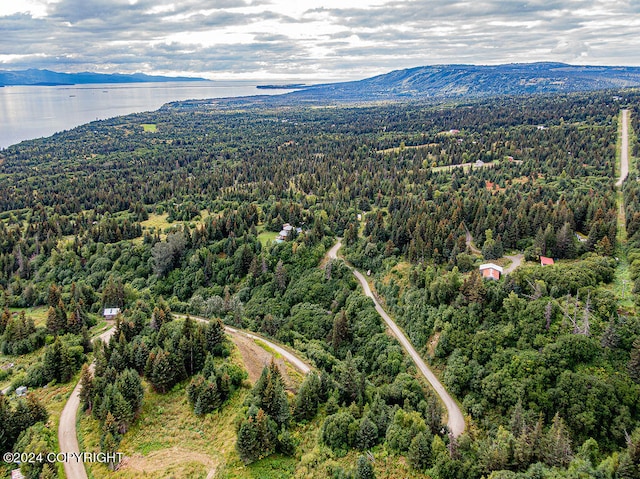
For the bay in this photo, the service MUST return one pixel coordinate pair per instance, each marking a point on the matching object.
(28, 112)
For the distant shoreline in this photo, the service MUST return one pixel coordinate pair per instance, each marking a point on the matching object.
(288, 86)
(35, 77)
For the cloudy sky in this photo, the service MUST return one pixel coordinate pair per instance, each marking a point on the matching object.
(311, 39)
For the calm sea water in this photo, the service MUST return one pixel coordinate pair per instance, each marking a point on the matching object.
(28, 112)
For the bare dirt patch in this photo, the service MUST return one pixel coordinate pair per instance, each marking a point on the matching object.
(256, 358)
(433, 344)
(174, 460)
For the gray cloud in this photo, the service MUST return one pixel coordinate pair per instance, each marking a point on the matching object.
(238, 37)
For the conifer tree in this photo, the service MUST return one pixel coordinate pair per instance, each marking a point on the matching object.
(306, 401)
(364, 469)
(208, 400)
(130, 386)
(634, 362)
(419, 454)
(4, 320)
(367, 434)
(248, 442)
(57, 362)
(53, 298)
(557, 444)
(340, 332)
(215, 337)
(86, 387)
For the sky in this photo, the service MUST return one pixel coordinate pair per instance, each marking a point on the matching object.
(310, 39)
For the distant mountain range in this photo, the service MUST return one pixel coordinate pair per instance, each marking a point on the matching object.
(455, 81)
(47, 77)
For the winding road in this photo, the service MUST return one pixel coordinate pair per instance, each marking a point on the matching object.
(295, 361)
(455, 420)
(516, 261)
(67, 434)
(624, 149)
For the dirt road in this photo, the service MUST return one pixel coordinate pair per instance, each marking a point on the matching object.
(624, 149)
(469, 242)
(67, 436)
(295, 361)
(456, 419)
(516, 261)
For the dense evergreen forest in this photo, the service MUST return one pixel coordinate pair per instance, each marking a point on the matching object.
(544, 362)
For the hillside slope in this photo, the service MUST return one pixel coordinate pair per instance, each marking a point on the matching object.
(445, 81)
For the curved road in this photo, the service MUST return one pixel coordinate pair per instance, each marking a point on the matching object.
(516, 261)
(295, 361)
(624, 149)
(456, 419)
(67, 435)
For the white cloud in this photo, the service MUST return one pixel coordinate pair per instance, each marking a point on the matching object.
(335, 38)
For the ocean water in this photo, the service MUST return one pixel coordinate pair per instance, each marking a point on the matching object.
(28, 112)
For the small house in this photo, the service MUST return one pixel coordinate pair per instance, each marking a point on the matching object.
(111, 313)
(491, 271)
(21, 391)
(286, 232)
(544, 261)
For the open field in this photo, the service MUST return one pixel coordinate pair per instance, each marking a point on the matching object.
(38, 313)
(168, 439)
(267, 237)
(149, 127)
(156, 221)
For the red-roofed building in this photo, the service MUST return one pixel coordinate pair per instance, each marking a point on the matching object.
(544, 261)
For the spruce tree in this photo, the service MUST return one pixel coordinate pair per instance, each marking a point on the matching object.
(215, 337)
(364, 469)
(86, 388)
(340, 332)
(208, 400)
(367, 436)
(130, 386)
(419, 454)
(54, 295)
(634, 362)
(557, 444)
(4, 320)
(248, 442)
(161, 376)
(306, 401)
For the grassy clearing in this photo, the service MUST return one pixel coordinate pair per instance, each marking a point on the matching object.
(20, 365)
(464, 166)
(169, 440)
(400, 148)
(156, 221)
(267, 237)
(149, 127)
(622, 285)
(38, 313)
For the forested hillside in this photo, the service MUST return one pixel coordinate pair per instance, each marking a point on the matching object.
(545, 362)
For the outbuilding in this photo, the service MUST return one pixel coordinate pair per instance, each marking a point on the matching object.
(111, 313)
(491, 271)
(544, 261)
